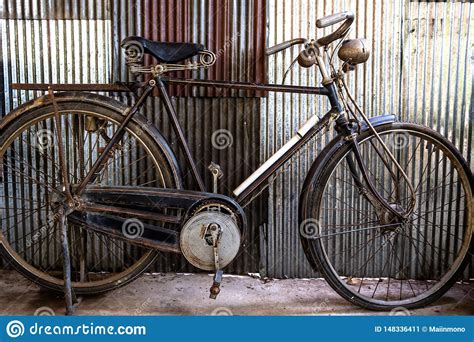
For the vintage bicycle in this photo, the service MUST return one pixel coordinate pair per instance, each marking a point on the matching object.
(87, 177)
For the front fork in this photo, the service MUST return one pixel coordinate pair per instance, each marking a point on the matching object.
(369, 191)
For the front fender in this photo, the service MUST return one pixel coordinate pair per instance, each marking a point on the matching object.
(379, 120)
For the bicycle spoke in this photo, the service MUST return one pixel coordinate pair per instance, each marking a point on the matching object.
(382, 271)
(419, 263)
(438, 226)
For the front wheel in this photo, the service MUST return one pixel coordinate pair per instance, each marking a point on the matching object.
(367, 255)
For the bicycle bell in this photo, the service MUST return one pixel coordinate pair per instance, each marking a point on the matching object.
(354, 51)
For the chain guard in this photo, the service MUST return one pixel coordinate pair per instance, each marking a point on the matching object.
(193, 239)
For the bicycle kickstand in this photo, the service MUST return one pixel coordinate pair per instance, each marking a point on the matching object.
(69, 296)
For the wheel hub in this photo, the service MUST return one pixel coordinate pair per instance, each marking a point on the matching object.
(59, 198)
(390, 221)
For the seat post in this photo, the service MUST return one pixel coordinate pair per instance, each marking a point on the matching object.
(179, 131)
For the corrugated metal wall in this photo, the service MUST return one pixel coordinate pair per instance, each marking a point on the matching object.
(53, 42)
(234, 30)
(415, 44)
(420, 69)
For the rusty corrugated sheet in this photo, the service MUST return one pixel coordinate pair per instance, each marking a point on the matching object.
(55, 9)
(234, 30)
(420, 69)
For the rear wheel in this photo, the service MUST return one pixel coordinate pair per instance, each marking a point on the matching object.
(30, 237)
(367, 255)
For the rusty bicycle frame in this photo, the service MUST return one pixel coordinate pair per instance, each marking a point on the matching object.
(173, 212)
(311, 127)
(185, 199)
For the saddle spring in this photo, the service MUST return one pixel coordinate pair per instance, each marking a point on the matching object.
(134, 59)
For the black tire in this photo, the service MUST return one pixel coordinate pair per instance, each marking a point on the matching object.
(147, 139)
(321, 251)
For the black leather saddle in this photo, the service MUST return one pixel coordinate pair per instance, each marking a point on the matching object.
(165, 52)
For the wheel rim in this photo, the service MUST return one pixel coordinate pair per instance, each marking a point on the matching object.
(29, 165)
(392, 265)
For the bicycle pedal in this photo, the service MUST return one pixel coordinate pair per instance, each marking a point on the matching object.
(215, 288)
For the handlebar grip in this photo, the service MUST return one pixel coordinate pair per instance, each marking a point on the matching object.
(348, 18)
(284, 45)
(333, 19)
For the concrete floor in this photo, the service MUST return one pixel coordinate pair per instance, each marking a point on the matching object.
(187, 294)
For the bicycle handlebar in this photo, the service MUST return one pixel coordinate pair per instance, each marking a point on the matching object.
(284, 45)
(347, 17)
(329, 20)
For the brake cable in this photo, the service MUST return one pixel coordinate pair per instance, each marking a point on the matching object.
(289, 69)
